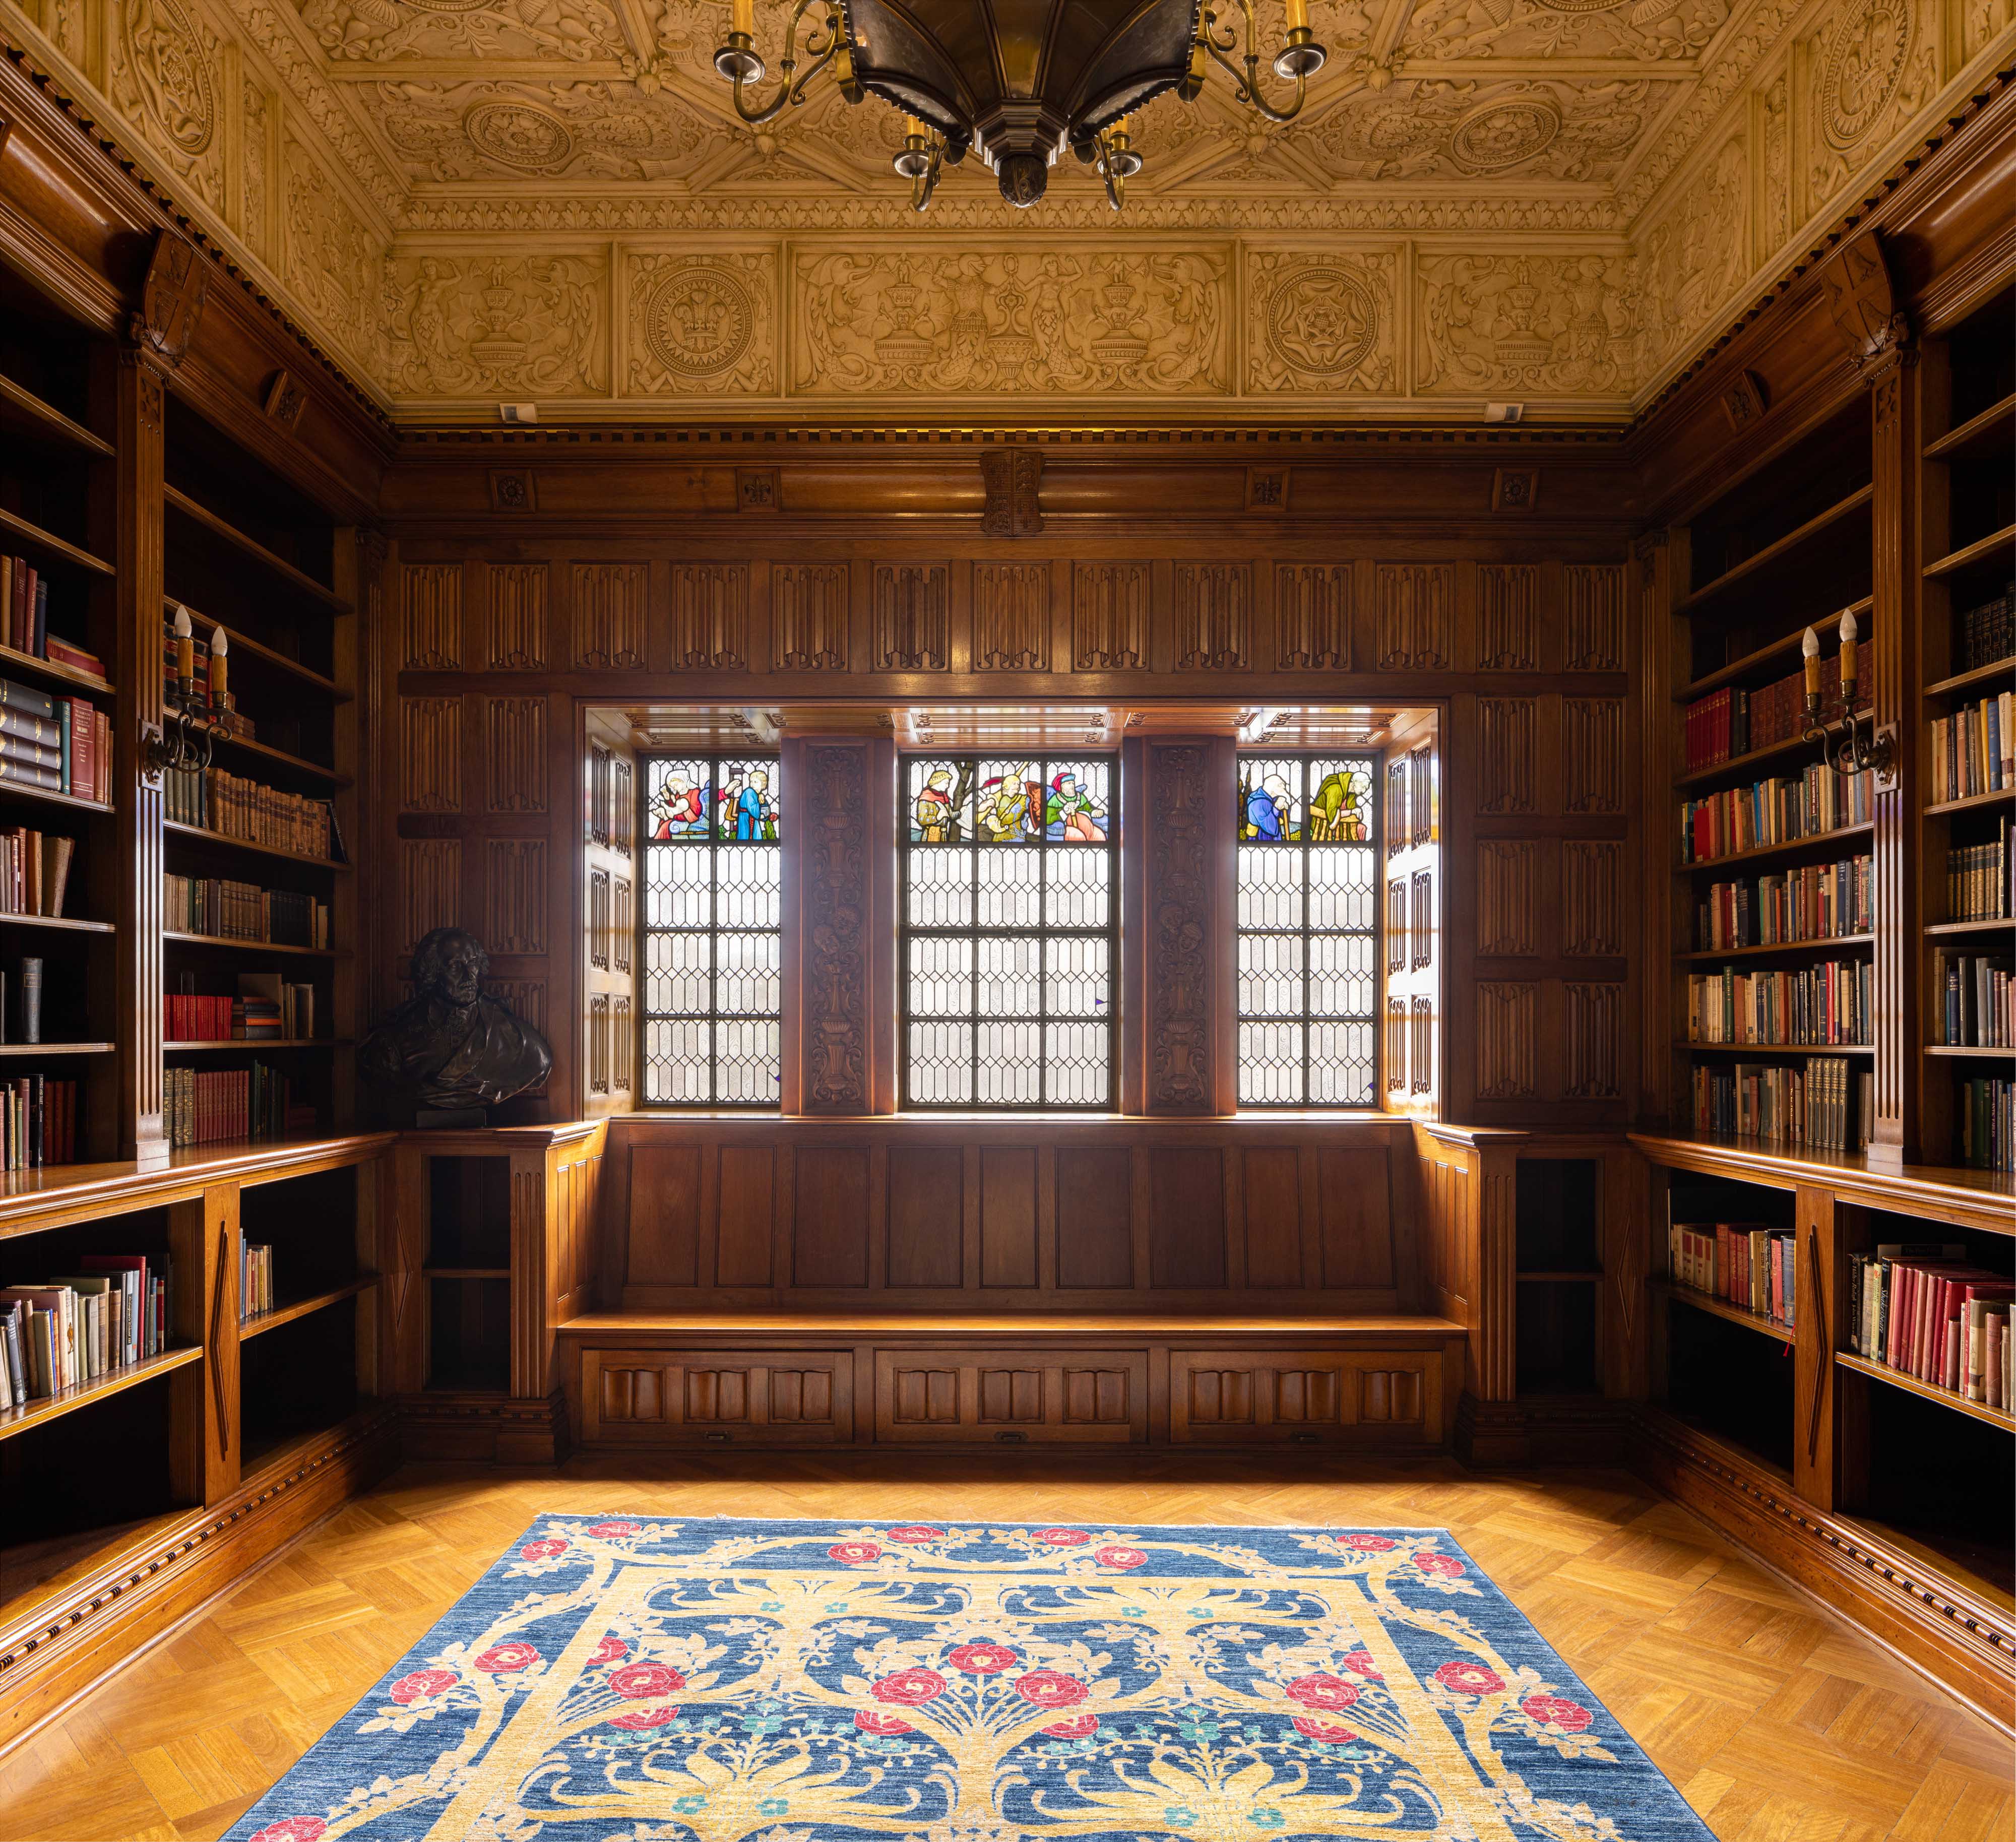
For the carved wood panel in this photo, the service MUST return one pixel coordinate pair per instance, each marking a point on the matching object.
(1592, 1041)
(1396, 1045)
(1592, 898)
(1312, 616)
(913, 617)
(518, 594)
(1507, 771)
(1507, 616)
(1011, 1396)
(1185, 797)
(1508, 898)
(1414, 607)
(611, 606)
(1214, 616)
(809, 617)
(514, 744)
(1593, 616)
(654, 1397)
(514, 901)
(599, 1043)
(830, 1226)
(1303, 1397)
(836, 900)
(429, 887)
(1011, 616)
(1110, 608)
(1508, 1028)
(1593, 767)
(709, 616)
(430, 754)
(430, 630)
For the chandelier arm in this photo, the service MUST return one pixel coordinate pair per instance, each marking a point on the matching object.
(1116, 186)
(792, 90)
(1266, 108)
(797, 90)
(1247, 82)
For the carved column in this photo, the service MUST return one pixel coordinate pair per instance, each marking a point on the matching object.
(1177, 829)
(840, 1043)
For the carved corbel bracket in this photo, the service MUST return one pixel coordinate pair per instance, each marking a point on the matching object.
(1863, 303)
(170, 301)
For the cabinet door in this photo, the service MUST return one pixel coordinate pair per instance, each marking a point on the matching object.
(1305, 1396)
(717, 1397)
(1010, 1397)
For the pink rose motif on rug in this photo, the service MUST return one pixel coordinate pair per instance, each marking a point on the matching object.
(720, 1681)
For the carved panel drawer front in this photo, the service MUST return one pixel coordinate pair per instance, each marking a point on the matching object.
(1305, 1396)
(717, 1397)
(1011, 1397)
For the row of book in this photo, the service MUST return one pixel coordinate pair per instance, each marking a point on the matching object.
(1987, 634)
(1987, 1109)
(1748, 1264)
(1774, 812)
(1981, 878)
(264, 1008)
(243, 911)
(34, 871)
(1920, 1308)
(1973, 748)
(1827, 1104)
(1815, 902)
(202, 1106)
(71, 1330)
(255, 1279)
(1831, 1003)
(38, 1122)
(1977, 999)
(1733, 721)
(25, 618)
(235, 807)
(62, 745)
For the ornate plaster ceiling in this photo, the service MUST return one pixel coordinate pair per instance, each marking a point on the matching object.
(1546, 201)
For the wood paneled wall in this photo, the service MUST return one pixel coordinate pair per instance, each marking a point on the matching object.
(1023, 1215)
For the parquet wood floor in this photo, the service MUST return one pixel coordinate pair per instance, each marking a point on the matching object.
(1778, 1721)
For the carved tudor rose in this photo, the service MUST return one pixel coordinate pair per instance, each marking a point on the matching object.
(1323, 320)
(518, 135)
(1502, 134)
(1863, 63)
(699, 321)
(164, 54)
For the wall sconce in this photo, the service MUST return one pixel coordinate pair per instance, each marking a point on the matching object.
(1852, 745)
(192, 721)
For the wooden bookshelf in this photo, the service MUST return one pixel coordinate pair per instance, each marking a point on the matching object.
(302, 1308)
(239, 1042)
(27, 664)
(1895, 1378)
(1775, 1048)
(65, 923)
(1997, 672)
(40, 1411)
(220, 838)
(1999, 543)
(1780, 653)
(231, 943)
(1761, 853)
(291, 577)
(46, 546)
(1792, 545)
(1720, 1308)
(21, 1050)
(1776, 947)
(25, 418)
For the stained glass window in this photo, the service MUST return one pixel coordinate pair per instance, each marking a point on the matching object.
(1009, 934)
(1308, 931)
(713, 939)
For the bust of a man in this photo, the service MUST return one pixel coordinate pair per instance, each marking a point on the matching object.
(449, 1049)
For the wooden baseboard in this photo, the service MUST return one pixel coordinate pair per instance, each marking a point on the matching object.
(494, 1428)
(1964, 1642)
(55, 1647)
(1541, 1430)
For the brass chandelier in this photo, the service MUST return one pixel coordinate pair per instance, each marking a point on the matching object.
(1017, 82)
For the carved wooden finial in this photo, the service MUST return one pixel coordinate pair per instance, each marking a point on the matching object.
(1855, 285)
(1013, 477)
(170, 301)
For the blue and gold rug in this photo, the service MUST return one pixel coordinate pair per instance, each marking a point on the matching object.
(647, 1679)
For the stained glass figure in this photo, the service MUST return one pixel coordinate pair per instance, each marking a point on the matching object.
(1307, 931)
(713, 946)
(1009, 927)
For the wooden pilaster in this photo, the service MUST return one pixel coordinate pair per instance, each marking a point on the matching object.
(203, 1456)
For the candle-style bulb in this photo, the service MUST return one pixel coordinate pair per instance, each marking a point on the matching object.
(220, 643)
(1810, 648)
(183, 629)
(220, 653)
(185, 646)
(1847, 632)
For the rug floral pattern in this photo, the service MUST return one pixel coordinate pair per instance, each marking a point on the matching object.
(642, 1679)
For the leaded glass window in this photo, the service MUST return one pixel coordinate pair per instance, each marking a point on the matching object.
(1308, 930)
(1009, 934)
(713, 932)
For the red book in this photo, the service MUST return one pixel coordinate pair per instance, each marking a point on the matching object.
(83, 757)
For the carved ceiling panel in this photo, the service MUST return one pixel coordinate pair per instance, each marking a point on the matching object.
(1548, 201)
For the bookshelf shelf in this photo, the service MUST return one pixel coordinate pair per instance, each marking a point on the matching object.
(1981, 550)
(178, 501)
(1740, 764)
(1721, 1309)
(1793, 541)
(1969, 1050)
(466, 1272)
(1992, 1416)
(12, 660)
(35, 1413)
(19, 790)
(1991, 927)
(48, 544)
(63, 922)
(1757, 853)
(243, 645)
(56, 1049)
(24, 417)
(227, 942)
(293, 763)
(1738, 669)
(1973, 803)
(241, 1042)
(1777, 1048)
(1777, 947)
(197, 833)
(1985, 437)
(1574, 1277)
(302, 1308)
(2000, 671)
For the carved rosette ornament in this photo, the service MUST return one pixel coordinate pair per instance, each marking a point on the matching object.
(1181, 791)
(836, 905)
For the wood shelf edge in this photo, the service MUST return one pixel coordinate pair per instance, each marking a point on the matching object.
(39, 1410)
(1776, 552)
(1910, 1384)
(177, 499)
(303, 1307)
(1979, 551)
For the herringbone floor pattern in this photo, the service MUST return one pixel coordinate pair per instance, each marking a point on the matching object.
(1778, 1722)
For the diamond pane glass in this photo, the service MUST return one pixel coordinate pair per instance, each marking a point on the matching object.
(1308, 925)
(712, 947)
(1008, 949)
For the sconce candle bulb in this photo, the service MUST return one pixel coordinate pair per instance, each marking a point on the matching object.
(220, 652)
(1847, 657)
(1810, 649)
(185, 645)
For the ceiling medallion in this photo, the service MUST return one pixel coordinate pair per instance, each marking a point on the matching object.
(1017, 82)
(1501, 134)
(516, 134)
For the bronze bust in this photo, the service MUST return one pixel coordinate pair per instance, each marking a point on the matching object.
(449, 1051)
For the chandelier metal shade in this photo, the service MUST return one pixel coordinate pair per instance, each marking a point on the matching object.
(1016, 83)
